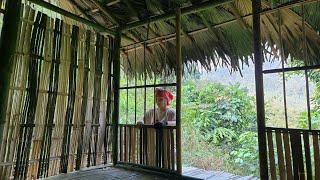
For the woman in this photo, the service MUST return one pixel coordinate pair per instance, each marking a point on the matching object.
(164, 115)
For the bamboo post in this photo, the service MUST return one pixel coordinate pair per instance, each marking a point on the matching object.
(179, 80)
(258, 59)
(115, 116)
(9, 33)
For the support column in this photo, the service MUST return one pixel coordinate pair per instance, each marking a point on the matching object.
(9, 37)
(179, 82)
(116, 88)
(258, 62)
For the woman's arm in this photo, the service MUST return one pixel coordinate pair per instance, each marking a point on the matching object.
(147, 118)
(172, 118)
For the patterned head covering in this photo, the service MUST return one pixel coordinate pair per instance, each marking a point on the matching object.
(165, 94)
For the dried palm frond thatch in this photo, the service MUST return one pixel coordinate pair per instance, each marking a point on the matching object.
(219, 36)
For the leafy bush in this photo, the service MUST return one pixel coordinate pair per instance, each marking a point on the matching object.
(219, 128)
(246, 152)
(220, 113)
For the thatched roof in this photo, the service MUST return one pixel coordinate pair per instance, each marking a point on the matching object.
(219, 36)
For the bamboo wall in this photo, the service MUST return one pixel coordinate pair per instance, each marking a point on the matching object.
(2, 7)
(68, 78)
(147, 146)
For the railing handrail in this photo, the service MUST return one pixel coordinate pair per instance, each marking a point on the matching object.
(272, 129)
(146, 126)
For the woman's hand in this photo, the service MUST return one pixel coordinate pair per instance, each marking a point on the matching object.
(139, 124)
(160, 124)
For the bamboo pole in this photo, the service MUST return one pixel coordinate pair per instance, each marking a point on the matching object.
(84, 103)
(115, 118)
(9, 33)
(258, 59)
(30, 113)
(71, 100)
(104, 86)
(61, 103)
(12, 106)
(21, 82)
(40, 140)
(179, 81)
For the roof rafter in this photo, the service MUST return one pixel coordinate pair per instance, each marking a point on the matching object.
(105, 11)
(82, 10)
(136, 37)
(131, 7)
(237, 14)
(112, 2)
(171, 15)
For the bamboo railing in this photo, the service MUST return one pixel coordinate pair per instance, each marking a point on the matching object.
(147, 146)
(293, 153)
(50, 135)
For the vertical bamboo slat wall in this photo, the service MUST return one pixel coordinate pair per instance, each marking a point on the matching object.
(37, 124)
(2, 7)
(148, 146)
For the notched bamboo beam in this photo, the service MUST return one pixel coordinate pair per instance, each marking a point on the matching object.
(105, 11)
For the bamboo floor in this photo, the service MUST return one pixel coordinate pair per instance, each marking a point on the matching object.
(102, 172)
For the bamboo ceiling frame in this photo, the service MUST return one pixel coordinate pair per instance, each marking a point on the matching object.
(170, 37)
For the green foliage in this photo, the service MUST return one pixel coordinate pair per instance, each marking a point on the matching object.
(219, 126)
(219, 112)
(246, 152)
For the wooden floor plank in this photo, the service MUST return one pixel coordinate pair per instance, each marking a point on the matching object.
(119, 173)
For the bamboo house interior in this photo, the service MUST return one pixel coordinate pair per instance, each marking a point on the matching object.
(62, 62)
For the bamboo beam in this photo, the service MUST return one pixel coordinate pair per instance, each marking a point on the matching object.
(110, 3)
(105, 11)
(170, 37)
(82, 11)
(258, 59)
(184, 11)
(131, 7)
(289, 69)
(149, 85)
(115, 115)
(63, 12)
(179, 81)
(9, 37)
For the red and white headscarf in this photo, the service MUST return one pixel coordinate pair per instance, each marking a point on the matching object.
(165, 94)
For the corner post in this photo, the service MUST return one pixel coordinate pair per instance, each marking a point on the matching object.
(179, 82)
(258, 62)
(116, 88)
(8, 42)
